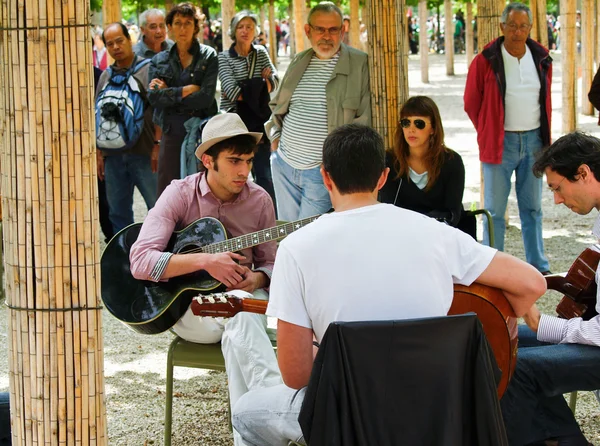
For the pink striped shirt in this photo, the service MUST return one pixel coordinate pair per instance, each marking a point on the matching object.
(185, 201)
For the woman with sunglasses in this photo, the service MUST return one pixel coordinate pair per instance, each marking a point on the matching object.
(425, 175)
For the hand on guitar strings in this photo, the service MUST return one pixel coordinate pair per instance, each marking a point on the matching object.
(252, 281)
(223, 267)
(532, 318)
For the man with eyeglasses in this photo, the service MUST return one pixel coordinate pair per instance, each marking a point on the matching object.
(154, 34)
(556, 355)
(507, 97)
(324, 87)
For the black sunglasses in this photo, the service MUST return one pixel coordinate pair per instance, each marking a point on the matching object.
(419, 123)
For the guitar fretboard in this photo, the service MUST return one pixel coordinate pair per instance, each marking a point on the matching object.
(256, 238)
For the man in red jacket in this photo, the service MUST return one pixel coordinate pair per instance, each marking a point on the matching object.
(507, 97)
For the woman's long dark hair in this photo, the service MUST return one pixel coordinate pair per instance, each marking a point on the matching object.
(422, 106)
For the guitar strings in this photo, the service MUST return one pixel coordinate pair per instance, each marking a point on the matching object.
(251, 239)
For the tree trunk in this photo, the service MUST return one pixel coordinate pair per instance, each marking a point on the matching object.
(448, 38)
(388, 64)
(597, 36)
(488, 21)
(568, 46)
(111, 11)
(539, 30)
(299, 21)
(272, 33)
(227, 13)
(587, 55)
(262, 18)
(169, 5)
(51, 233)
(354, 24)
(423, 42)
(469, 41)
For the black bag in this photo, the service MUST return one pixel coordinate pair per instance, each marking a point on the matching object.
(254, 109)
(5, 436)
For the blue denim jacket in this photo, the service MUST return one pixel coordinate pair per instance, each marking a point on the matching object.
(166, 66)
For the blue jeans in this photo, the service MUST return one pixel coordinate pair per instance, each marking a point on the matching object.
(300, 193)
(533, 406)
(122, 173)
(519, 153)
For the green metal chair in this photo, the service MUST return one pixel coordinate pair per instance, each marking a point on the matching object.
(573, 401)
(183, 353)
(490, 223)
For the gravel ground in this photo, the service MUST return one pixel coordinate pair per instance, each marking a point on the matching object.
(135, 364)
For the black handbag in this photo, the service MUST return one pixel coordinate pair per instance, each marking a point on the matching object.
(254, 109)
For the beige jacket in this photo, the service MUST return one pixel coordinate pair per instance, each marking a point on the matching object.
(348, 93)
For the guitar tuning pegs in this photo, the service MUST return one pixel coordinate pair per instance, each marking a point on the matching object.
(223, 299)
(199, 299)
(210, 298)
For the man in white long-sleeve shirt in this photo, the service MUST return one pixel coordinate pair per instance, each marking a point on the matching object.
(556, 355)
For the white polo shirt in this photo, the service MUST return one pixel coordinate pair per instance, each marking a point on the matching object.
(522, 98)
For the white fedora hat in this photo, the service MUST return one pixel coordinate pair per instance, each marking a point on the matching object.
(222, 127)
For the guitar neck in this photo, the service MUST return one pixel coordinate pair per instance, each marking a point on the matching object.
(256, 238)
(255, 305)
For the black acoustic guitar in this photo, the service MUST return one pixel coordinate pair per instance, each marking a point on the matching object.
(149, 307)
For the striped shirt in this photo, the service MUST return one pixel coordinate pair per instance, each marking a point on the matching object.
(233, 68)
(576, 330)
(304, 127)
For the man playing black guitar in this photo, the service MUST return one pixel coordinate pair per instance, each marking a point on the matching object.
(223, 192)
(365, 261)
(556, 355)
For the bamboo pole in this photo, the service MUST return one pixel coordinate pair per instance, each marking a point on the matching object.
(111, 11)
(388, 64)
(355, 24)
(597, 36)
(262, 16)
(587, 55)
(534, 33)
(292, 26)
(541, 22)
(448, 38)
(299, 7)
(227, 13)
(50, 225)
(272, 33)
(423, 42)
(568, 51)
(488, 21)
(469, 38)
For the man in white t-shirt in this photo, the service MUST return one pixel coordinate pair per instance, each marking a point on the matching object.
(365, 261)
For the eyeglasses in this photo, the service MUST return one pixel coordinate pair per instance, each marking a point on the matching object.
(419, 123)
(514, 27)
(333, 31)
(556, 190)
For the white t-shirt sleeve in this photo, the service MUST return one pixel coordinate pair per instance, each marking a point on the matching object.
(286, 294)
(466, 258)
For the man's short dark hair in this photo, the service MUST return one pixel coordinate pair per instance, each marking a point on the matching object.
(568, 153)
(240, 145)
(354, 158)
(123, 28)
